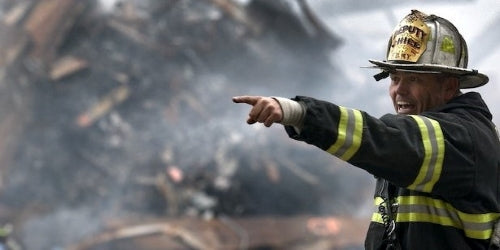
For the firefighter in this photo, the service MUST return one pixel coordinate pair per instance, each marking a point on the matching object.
(436, 160)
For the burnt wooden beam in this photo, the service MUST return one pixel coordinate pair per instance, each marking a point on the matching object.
(293, 232)
(48, 24)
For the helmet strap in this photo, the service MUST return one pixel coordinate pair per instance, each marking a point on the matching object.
(381, 75)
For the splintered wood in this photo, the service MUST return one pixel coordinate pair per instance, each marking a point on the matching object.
(49, 22)
(299, 232)
(145, 71)
(238, 13)
(67, 66)
(103, 106)
(13, 43)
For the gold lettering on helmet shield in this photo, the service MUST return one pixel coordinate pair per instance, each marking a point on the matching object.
(409, 39)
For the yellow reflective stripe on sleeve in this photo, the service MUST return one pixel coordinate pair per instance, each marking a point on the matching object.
(350, 132)
(433, 142)
(435, 211)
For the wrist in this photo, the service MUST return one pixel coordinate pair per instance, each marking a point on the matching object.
(293, 112)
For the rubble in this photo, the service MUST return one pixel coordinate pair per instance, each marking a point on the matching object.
(117, 130)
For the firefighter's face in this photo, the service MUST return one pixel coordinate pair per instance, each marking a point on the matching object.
(414, 93)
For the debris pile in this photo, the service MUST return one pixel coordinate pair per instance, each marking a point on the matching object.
(118, 130)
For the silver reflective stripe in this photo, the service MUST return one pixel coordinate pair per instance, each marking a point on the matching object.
(349, 134)
(432, 163)
(495, 237)
(348, 141)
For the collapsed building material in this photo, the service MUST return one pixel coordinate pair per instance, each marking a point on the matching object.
(301, 232)
(124, 115)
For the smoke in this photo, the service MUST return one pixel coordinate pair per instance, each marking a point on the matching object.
(179, 115)
(61, 228)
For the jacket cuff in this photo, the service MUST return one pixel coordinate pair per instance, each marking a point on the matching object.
(293, 112)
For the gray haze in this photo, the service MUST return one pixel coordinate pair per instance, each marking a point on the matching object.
(136, 136)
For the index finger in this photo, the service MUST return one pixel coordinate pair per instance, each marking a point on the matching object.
(252, 100)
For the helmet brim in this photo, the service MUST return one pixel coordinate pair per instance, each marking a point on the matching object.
(468, 78)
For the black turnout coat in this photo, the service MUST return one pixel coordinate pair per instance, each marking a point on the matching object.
(438, 172)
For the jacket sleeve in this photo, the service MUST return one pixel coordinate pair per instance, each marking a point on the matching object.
(416, 152)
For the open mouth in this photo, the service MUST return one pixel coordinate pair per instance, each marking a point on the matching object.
(405, 108)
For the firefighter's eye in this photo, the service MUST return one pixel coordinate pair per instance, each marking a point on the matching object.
(394, 78)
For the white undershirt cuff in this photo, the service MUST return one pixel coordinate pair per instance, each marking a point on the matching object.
(293, 112)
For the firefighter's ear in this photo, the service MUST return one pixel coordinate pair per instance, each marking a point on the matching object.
(451, 87)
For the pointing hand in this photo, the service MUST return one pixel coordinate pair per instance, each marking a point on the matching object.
(265, 109)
